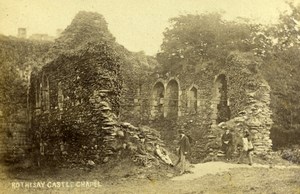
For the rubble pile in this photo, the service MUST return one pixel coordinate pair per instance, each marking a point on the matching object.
(142, 144)
(99, 137)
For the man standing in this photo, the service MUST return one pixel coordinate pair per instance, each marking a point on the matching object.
(227, 143)
(183, 150)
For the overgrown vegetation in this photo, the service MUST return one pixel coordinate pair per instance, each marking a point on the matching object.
(292, 154)
(90, 69)
(12, 86)
(192, 39)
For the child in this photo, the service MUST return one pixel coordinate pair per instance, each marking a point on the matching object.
(247, 148)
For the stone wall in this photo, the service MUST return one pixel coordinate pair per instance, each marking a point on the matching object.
(18, 56)
(169, 102)
(75, 106)
(207, 95)
(14, 138)
(253, 103)
(65, 98)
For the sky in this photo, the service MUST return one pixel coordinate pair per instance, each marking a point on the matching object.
(136, 24)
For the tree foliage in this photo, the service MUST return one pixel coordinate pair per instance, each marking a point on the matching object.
(192, 39)
(288, 29)
(282, 70)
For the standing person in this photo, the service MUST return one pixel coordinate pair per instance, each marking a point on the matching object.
(183, 150)
(227, 143)
(247, 148)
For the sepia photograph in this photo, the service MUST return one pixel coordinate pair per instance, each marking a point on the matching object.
(150, 97)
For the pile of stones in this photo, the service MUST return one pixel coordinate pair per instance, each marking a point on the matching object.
(141, 143)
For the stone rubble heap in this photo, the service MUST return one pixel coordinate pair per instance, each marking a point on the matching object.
(141, 143)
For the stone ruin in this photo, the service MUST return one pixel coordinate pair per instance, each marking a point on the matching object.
(74, 103)
(208, 96)
(255, 117)
(142, 144)
(65, 97)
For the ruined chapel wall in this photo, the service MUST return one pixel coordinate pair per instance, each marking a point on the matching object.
(14, 138)
(249, 100)
(21, 56)
(72, 122)
(196, 123)
(254, 112)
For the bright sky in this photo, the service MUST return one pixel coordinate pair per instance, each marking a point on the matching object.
(137, 24)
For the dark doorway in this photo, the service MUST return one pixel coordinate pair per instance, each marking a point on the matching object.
(222, 107)
(158, 93)
(172, 98)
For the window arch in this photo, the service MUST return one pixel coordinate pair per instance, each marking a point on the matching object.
(60, 96)
(172, 98)
(223, 110)
(45, 93)
(192, 99)
(38, 94)
(158, 94)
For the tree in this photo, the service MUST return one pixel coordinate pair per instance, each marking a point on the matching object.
(192, 38)
(282, 70)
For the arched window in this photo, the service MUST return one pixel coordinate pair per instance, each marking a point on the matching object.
(223, 110)
(172, 98)
(192, 100)
(45, 94)
(60, 96)
(158, 93)
(38, 95)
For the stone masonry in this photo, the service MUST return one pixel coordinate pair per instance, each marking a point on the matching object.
(202, 98)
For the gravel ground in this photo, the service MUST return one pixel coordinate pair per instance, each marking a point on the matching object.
(211, 177)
